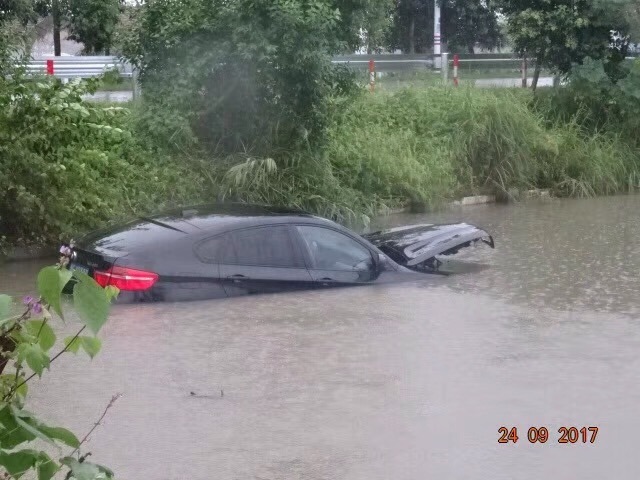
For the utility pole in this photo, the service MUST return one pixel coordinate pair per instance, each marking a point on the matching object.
(55, 13)
(436, 28)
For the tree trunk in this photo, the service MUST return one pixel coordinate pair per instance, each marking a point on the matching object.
(57, 50)
(412, 35)
(536, 71)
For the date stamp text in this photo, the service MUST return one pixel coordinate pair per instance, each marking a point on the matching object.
(541, 435)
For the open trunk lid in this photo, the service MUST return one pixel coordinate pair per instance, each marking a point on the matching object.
(417, 244)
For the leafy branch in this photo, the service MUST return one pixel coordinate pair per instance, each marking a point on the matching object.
(26, 340)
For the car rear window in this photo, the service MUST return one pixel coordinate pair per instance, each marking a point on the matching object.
(265, 246)
(262, 246)
(216, 250)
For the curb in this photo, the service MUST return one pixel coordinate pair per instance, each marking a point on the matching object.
(20, 254)
(474, 200)
(483, 199)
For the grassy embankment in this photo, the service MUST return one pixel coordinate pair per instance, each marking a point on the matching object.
(421, 146)
(435, 143)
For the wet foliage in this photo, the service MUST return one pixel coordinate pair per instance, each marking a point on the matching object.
(27, 342)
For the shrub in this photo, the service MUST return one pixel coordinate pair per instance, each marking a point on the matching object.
(27, 341)
(595, 102)
(68, 165)
(431, 143)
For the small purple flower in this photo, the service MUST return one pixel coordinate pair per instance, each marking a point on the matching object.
(37, 308)
(66, 251)
(28, 300)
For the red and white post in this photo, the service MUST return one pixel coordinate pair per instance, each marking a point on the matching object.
(456, 64)
(49, 67)
(372, 75)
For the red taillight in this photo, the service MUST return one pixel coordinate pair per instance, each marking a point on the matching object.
(126, 279)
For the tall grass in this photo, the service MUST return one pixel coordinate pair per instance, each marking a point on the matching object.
(433, 143)
(425, 146)
(301, 181)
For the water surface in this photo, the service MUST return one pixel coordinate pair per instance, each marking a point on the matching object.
(384, 382)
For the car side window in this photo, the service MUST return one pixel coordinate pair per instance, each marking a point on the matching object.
(265, 246)
(331, 250)
(215, 250)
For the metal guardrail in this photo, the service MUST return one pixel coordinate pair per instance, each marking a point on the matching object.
(78, 67)
(386, 62)
(93, 66)
(86, 67)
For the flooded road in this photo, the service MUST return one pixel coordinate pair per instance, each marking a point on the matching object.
(398, 382)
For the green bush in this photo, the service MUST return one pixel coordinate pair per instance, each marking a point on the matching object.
(377, 146)
(430, 143)
(306, 182)
(68, 165)
(595, 102)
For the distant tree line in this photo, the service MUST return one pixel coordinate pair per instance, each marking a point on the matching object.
(90, 22)
(555, 34)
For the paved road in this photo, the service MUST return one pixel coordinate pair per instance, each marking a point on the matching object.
(485, 82)
(512, 82)
(110, 96)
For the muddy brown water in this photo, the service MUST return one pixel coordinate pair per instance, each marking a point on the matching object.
(388, 382)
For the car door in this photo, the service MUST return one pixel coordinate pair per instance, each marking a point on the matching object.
(263, 260)
(335, 258)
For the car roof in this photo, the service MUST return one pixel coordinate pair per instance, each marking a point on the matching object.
(223, 216)
(193, 223)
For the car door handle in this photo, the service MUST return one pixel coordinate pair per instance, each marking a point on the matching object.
(237, 278)
(327, 280)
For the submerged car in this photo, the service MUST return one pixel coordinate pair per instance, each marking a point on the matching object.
(224, 250)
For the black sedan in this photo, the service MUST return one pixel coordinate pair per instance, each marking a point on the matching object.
(224, 250)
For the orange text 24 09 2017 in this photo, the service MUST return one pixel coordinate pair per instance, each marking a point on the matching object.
(541, 435)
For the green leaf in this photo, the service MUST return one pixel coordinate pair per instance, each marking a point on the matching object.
(112, 292)
(41, 330)
(72, 344)
(86, 470)
(91, 302)
(5, 306)
(91, 345)
(35, 357)
(24, 420)
(47, 468)
(38, 429)
(12, 434)
(61, 434)
(18, 463)
(7, 380)
(107, 471)
(51, 281)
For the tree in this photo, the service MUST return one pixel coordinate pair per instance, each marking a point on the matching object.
(465, 24)
(93, 22)
(14, 16)
(632, 14)
(243, 74)
(560, 33)
(20, 10)
(374, 17)
(412, 26)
